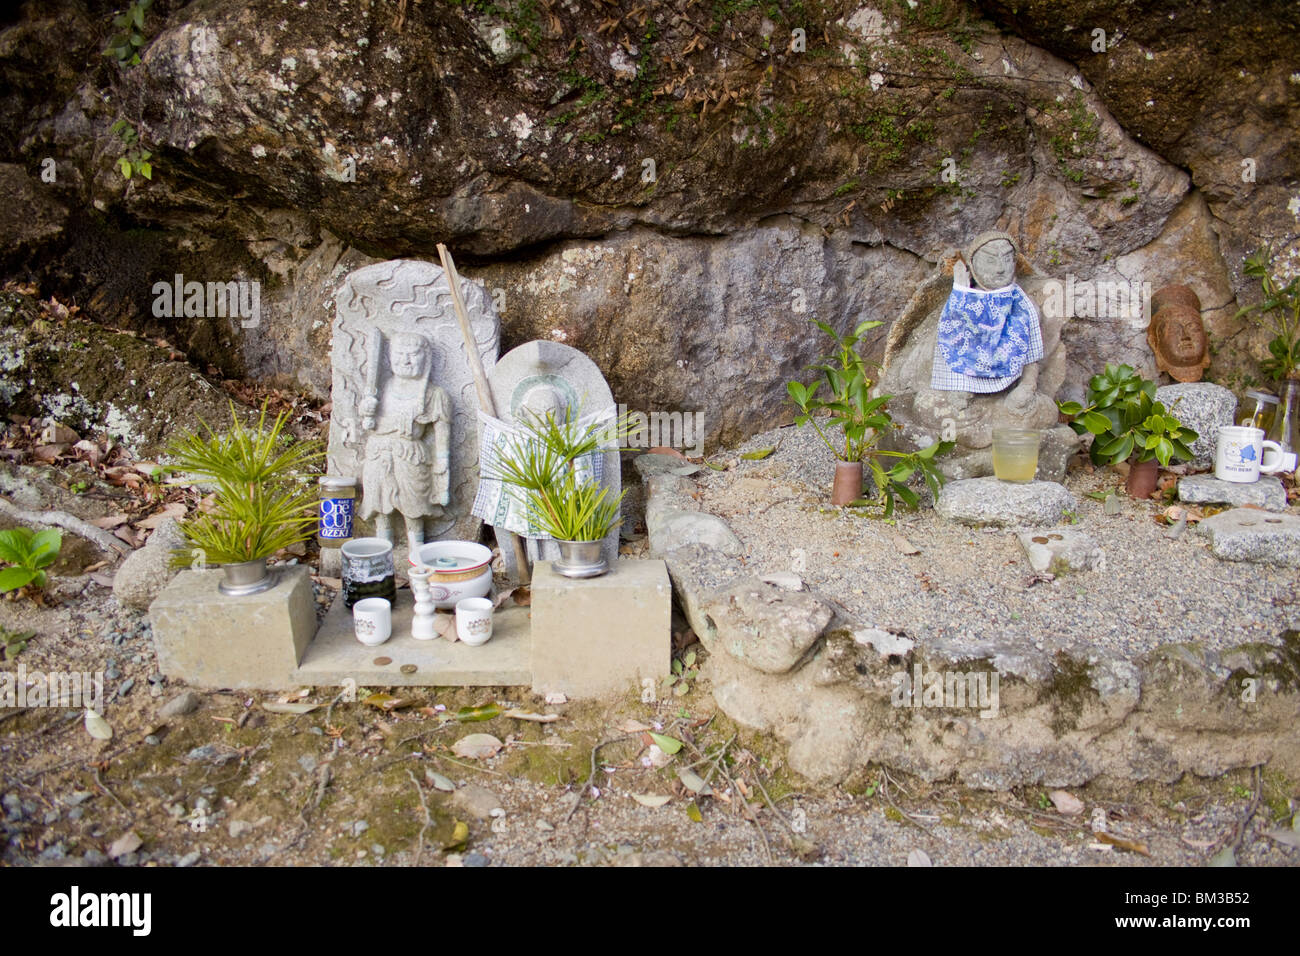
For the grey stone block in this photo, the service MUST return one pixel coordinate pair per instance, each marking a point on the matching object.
(1246, 534)
(1266, 493)
(208, 639)
(988, 501)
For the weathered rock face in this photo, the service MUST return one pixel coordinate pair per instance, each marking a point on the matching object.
(674, 193)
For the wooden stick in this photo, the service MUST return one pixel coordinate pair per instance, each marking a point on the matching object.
(480, 385)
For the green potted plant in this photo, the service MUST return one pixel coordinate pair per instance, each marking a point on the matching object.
(561, 498)
(1127, 423)
(863, 421)
(262, 501)
(1280, 312)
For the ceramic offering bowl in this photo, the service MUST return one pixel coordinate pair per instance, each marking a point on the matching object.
(458, 570)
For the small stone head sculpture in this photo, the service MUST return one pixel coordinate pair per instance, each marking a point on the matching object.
(1177, 334)
(992, 260)
(543, 400)
(409, 355)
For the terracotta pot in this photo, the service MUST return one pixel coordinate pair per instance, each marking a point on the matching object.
(1142, 476)
(848, 482)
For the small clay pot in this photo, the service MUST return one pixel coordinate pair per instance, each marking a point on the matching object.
(848, 482)
(1142, 477)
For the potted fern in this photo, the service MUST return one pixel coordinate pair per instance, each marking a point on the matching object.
(561, 496)
(262, 503)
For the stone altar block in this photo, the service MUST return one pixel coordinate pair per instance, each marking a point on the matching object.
(208, 639)
(601, 635)
(336, 655)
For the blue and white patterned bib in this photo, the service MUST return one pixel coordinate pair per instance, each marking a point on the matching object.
(985, 339)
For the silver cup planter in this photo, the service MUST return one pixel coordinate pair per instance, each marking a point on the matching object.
(246, 577)
(581, 559)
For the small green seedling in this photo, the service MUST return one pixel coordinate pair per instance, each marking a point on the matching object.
(13, 643)
(685, 670)
(27, 555)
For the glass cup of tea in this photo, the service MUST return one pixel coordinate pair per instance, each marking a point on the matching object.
(1015, 453)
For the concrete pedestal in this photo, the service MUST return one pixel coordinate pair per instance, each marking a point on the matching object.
(601, 635)
(208, 639)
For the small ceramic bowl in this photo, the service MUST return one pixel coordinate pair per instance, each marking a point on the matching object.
(459, 570)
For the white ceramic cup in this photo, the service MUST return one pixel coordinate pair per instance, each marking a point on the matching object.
(474, 620)
(372, 619)
(1242, 455)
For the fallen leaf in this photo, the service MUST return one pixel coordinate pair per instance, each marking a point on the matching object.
(438, 781)
(1133, 846)
(661, 450)
(334, 583)
(125, 534)
(555, 697)
(284, 707)
(758, 454)
(918, 858)
(903, 546)
(470, 715)
(445, 625)
(651, 800)
(97, 726)
(384, 702)
(668, 745)
(459, 836)
(476, 746)
(693, 812)
(128, 842)
(1224, 857)
(110, 522)
(1288, 837)
(535, 718)
(716, 466)
(631, 726)
(1066, 803)
(48, 453)
(173, 510)
(693, 782)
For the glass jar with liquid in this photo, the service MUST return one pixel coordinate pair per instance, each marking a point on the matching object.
(1015, 453)
(337, 504)
(1285, 427)
(1257, 410)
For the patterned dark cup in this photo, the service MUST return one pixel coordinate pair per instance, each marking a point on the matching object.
(368, 571)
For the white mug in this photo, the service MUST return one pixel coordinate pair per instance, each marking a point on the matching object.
(372, 618)
(1242, 455)
(474, 620)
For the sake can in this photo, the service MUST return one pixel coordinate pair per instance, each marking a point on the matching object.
(337, 505)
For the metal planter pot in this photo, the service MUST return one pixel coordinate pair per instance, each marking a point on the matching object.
(581, 559)
(246, 577)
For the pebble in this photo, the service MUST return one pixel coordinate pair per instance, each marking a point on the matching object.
(112, 673)
(182, 704)
(128, 859)
(377, 849)
(125, 687)
(13, 806)
(307, 762)
(152, 740)
(474, 859)
(239, 828)
(77, 797)
(51, 816)
(189, 859)
(76, 813)
(360, 827)
(94, 858)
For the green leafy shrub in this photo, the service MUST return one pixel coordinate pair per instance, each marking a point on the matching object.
(1125, 420)
(124, 46)
(27, 555)
(1280, 312)
(864, 420)
(263, 503)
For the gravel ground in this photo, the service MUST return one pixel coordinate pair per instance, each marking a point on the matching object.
(975, 584)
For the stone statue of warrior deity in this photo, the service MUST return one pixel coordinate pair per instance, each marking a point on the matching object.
(405, 427)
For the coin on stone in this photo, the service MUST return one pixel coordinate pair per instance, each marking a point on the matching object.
(383, 661)
(409, 668)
